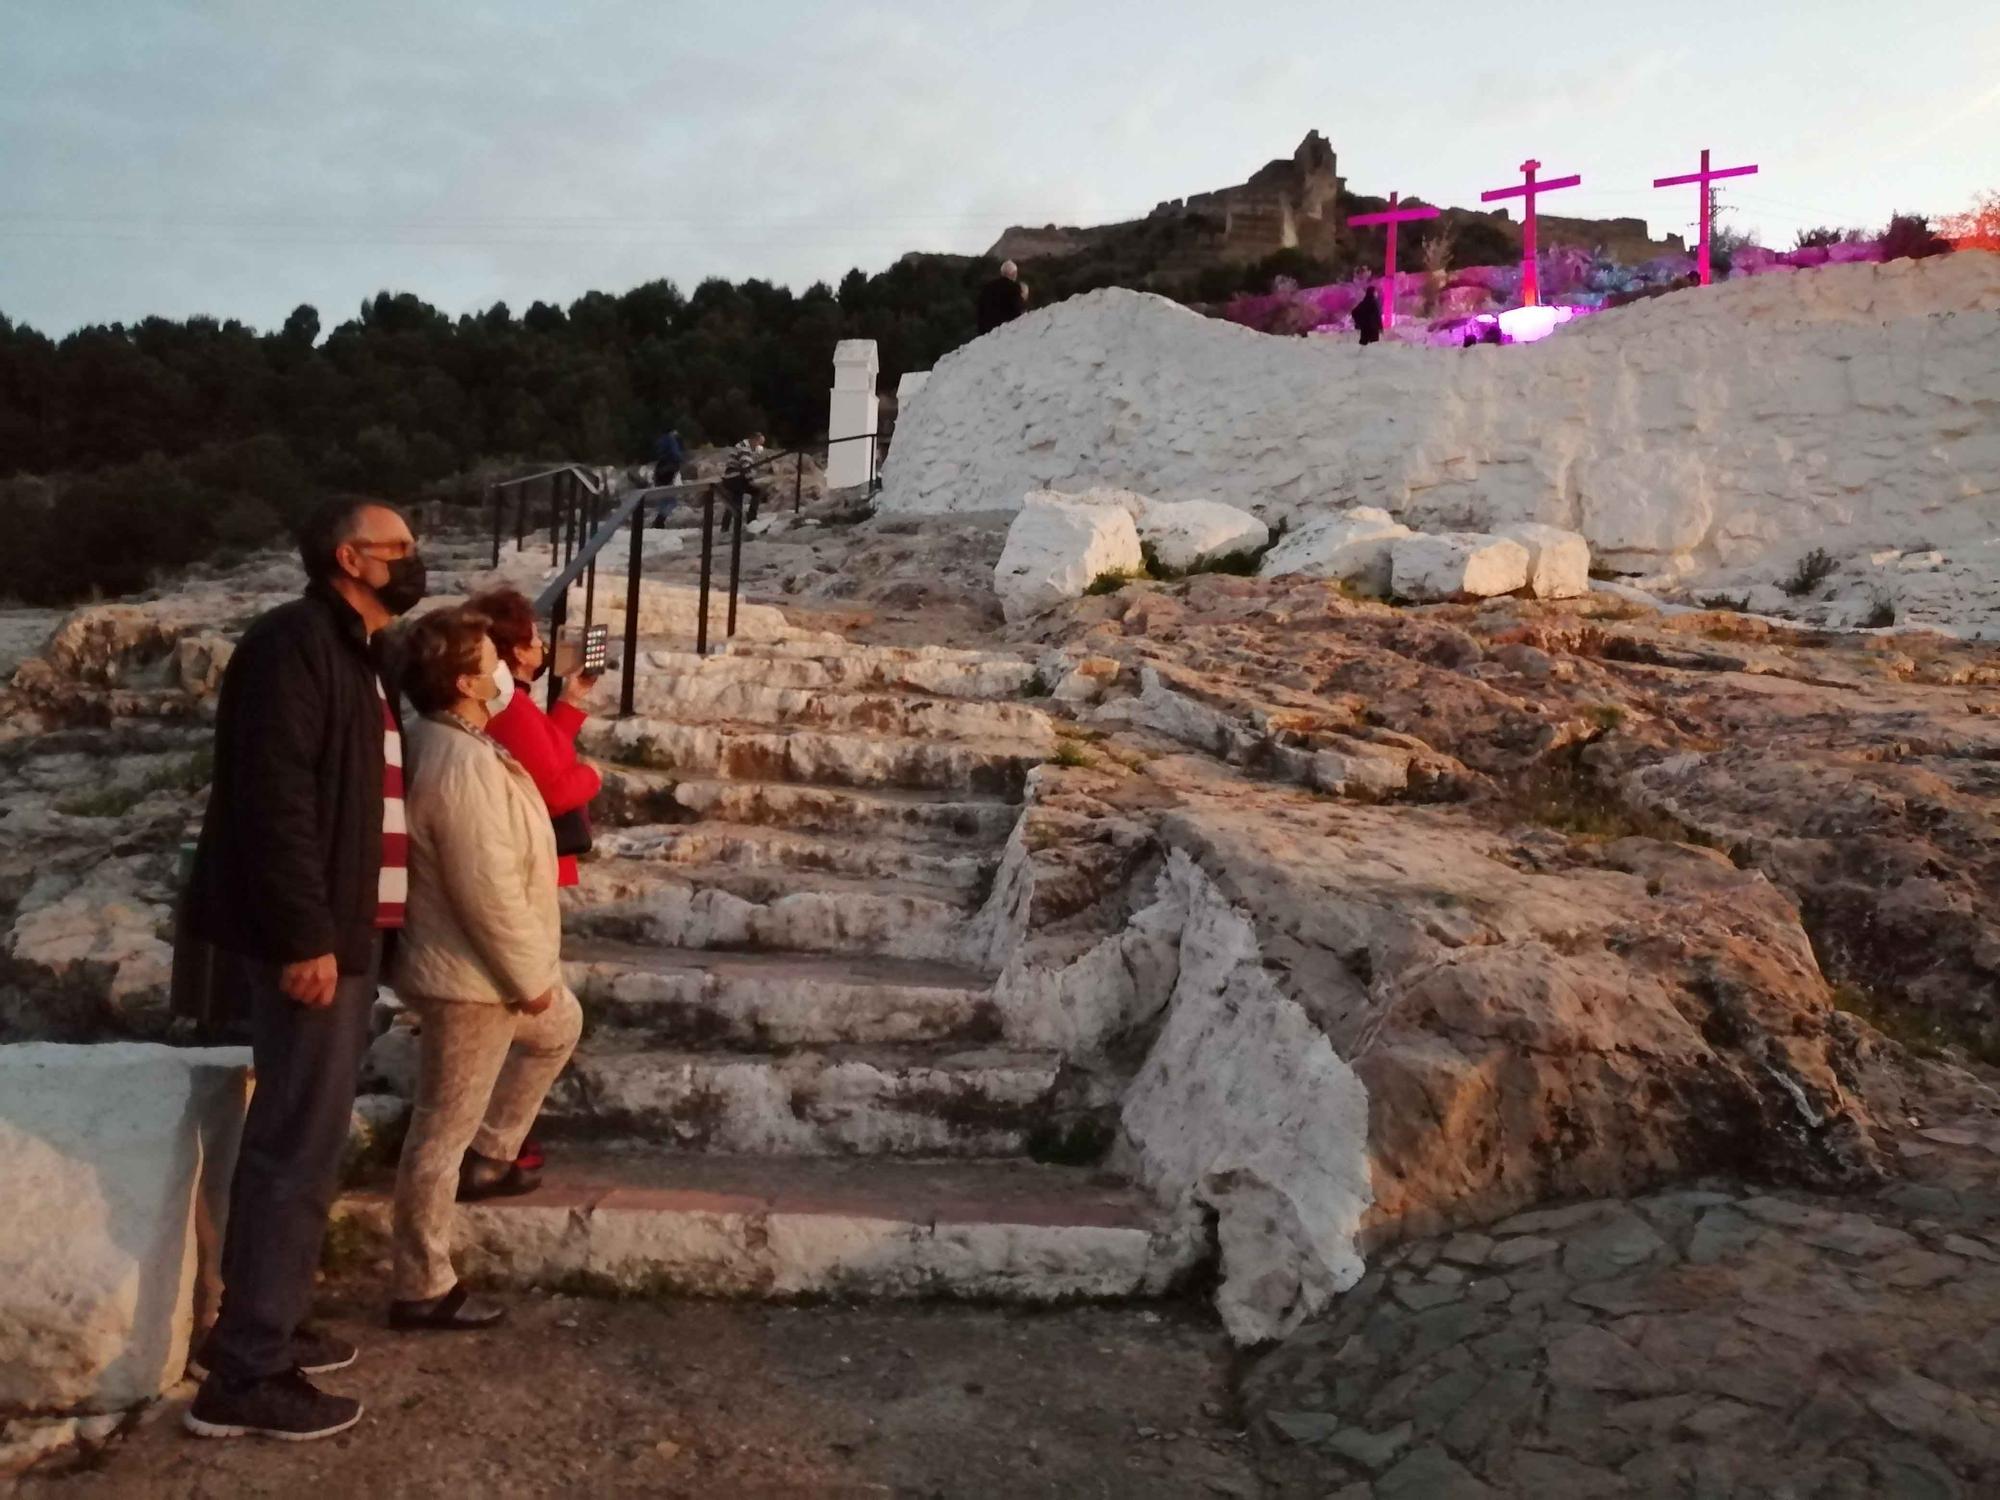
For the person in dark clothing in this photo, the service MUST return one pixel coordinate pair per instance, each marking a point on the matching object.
(298, 881)
(668, 460)
(1003, 299)
(668, 457)
(1368, 317)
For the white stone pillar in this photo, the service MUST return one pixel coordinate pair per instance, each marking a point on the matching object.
(852, 412)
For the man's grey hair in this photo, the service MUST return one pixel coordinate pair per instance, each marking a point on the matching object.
(1009, 269)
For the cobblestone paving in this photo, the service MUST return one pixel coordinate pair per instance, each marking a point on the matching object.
(1711, 1341)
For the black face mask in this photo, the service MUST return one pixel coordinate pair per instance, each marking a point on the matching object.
(406, 584)
(543, 670)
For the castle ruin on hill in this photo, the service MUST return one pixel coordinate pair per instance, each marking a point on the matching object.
(1300, 202)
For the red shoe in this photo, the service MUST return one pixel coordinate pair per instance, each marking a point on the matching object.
(531, 1158)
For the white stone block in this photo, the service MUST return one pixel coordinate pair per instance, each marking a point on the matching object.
(1056, 548)
(1351, 546)
(1454, 564)
(114, 1165)
(1187, 533)
(1558, 560)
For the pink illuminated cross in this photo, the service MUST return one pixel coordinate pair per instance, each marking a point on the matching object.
(1392, 218)
(1531, 281)
(1704, 177)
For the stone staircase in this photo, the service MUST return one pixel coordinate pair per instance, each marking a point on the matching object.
(793, 1078)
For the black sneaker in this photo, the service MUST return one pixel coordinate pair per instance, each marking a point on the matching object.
(314, 1351)
(287, 1407)
(317, 1352)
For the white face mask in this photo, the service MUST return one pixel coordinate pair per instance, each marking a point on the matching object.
(503, 680)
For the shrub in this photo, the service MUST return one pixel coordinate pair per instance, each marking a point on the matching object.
(1882, 616)
(1114, 579)
(1736, 604)
(1813, 570)
(1910, 237)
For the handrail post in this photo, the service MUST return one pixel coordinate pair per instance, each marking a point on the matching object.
(520, 517)
(735, 562)
(558, 613)
(572, 501)
(632, 560)
(707, 556)
(555, 521)
(590, 575)
(493, 499)
(798, 478)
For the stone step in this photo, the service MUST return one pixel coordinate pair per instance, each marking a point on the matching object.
(623, 1224)
(748, 853)
(634, 795)
(772, 1001)
(845, 1101)
(708, 697)
(665, 906)
(832, 666)
(814, 757)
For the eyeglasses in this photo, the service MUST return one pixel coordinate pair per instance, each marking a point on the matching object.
(387, 549)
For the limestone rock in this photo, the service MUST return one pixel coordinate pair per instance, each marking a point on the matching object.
(1057, 547)
(1184, 534)
(1558, 560)
(91, 954)
(1520, 1003)
(1351, 546)
(673, 610)
(103, 1151)
(1243, 1106)
(1454, 564)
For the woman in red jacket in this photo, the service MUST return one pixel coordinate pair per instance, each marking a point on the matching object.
(544, 743)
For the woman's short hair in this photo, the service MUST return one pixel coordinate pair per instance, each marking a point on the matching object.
(438, 649)
(510, 621)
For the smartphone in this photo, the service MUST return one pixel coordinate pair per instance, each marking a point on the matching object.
(596, 650)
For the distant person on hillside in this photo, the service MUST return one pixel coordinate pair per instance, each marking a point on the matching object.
(1003, 299)
(1368, 317)
(739, 479)
(668, 460)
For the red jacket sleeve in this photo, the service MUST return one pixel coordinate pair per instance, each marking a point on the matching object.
(546, 752)
(566, 719)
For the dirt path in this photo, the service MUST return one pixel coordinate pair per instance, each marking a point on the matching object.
(580, 1397)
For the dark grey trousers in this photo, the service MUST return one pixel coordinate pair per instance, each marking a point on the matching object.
(308, 1063)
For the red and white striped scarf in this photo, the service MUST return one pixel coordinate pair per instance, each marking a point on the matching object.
(393, 888)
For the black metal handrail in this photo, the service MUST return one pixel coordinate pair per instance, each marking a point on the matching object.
(584, 517)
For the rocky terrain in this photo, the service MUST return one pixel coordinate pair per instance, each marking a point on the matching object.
(1341, 933)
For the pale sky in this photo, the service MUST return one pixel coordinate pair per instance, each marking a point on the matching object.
(238, 157)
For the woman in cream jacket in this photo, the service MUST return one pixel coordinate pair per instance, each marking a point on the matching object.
(480, 961)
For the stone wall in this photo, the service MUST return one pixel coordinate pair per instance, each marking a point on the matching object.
(1853, 407)
(114, 1169)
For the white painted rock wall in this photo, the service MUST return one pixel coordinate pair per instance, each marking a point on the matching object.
(114, 1163)
(1056, 547)
(1243, 1106)
(1852, 402)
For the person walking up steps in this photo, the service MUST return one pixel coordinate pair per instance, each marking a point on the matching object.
(739, 479)
(298, 881)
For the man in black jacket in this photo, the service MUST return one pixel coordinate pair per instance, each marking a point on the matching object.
(1001, 300)
(297, 881)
